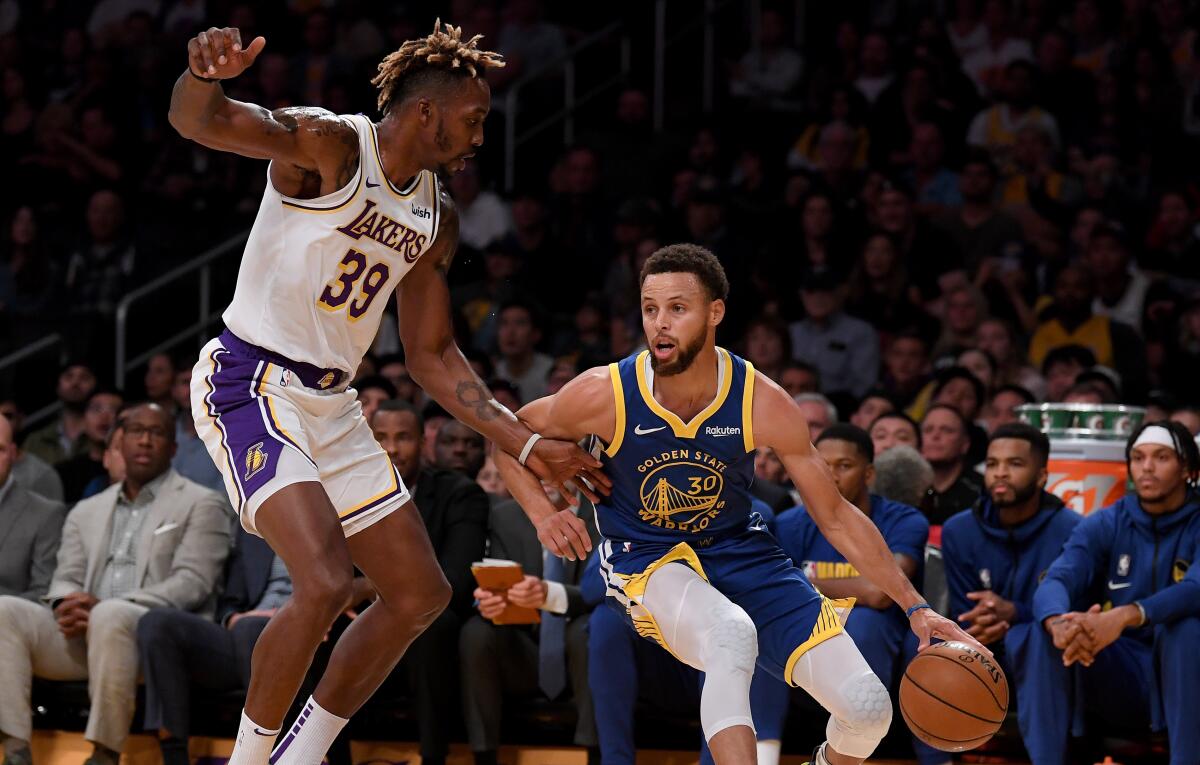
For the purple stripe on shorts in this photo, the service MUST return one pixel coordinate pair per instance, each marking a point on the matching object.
(217, 421)
(253, 450)
(390, 495)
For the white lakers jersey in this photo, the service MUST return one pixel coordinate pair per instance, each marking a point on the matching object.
(317, 273)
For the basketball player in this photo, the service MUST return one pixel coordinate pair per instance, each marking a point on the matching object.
(353, 211)
(684, 558)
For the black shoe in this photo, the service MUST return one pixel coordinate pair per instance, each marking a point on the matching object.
(19, 757)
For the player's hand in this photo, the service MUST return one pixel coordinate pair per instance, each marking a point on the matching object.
(988, 602)
(217, 54)
(927, 624)
(490, 604)
(1069, 635)
(1102, 629)
(530, 592)
(565, 535)
(558, 462)
(991, 617)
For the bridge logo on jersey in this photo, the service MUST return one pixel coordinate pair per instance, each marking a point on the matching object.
(681, 490)
(390, 233)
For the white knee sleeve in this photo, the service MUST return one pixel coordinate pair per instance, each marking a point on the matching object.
(707, 631)
(837, 676)
(728, 652)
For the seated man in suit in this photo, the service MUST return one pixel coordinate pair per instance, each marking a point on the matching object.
(514, 660)
(33, 472)
(155, 540)
(455, 511)
(30, 529)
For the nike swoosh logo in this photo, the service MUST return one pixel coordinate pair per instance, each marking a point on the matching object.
(371, 185)
(639, 430)
(1114, 586)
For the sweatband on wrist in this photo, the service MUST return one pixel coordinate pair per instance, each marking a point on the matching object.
(533, 439)
(202, 79)
(913, 609)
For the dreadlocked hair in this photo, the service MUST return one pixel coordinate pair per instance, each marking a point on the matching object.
(443, 51)
(1185, 447)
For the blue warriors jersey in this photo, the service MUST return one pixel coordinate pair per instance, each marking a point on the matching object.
(674, 481)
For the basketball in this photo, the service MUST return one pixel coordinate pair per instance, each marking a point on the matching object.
(953, 697)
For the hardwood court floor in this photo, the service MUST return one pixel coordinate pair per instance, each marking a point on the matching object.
(61, 748)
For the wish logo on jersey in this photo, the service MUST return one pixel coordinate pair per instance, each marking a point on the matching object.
(681, 490)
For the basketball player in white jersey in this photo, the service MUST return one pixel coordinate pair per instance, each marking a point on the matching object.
(353, 211)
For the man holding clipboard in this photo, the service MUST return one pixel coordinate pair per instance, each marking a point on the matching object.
(503, 653)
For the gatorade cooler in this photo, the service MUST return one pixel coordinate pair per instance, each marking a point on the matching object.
(1087, 450)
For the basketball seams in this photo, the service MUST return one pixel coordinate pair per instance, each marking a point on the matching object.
(929, 693)
(974, 742)
(1002, 707)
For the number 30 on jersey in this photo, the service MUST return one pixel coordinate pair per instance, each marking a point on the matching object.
(354, 275)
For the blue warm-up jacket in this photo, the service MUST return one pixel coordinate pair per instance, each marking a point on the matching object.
(1121, 555)
(982, 554)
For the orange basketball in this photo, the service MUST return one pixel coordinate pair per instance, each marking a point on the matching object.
(953, 697)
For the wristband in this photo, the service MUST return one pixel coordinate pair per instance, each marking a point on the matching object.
(913, 609)
(533, 439)
(202, 79)
(1141, 611)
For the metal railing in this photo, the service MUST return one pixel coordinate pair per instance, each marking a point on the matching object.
(571, 100)
(33, 349)
(707, 19)
(204, 318)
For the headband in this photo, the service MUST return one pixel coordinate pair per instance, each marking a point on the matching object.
(1158, 435)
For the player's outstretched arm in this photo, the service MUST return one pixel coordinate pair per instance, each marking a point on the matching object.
(439, 367)
(315, 153)
(779, 424)
(583, 407)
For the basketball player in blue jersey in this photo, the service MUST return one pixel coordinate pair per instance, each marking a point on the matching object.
(683, 556)
(353, 210)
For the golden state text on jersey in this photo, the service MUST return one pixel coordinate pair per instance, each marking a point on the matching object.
(317, 273)
(675, 481)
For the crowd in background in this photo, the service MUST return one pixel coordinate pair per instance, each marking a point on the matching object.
(930, 213)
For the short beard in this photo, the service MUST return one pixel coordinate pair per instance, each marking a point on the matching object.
(1020, 496)
(682, 363)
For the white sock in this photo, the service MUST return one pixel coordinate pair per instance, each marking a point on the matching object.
(768, 751)
(310, 737)
(254, 743)
(819, 758)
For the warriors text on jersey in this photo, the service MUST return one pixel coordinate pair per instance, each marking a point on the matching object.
(673, 481)
(317, 273)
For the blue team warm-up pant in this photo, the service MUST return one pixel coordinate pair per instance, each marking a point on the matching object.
(624, 667)
(1131, 686)
(879, 636)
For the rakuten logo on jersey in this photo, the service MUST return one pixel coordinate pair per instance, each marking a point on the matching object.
(718, 432)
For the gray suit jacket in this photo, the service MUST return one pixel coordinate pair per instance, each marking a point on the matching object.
(511, 536)
(30, 529)
(180, 552)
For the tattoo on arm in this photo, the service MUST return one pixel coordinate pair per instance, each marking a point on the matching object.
(476, 397)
